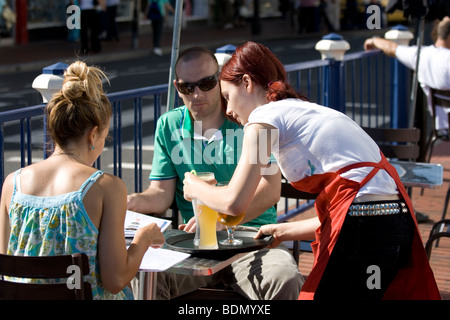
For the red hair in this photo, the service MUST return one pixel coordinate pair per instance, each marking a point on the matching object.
(264, 69)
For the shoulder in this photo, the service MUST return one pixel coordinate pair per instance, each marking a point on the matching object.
(172, 117)
(8, 187)
(110, 183)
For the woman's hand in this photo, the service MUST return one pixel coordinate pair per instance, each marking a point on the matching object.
(191, 183)
(151, 235)
(188, 186)
(272, 230)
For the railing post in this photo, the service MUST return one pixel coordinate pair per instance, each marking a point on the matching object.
(399, 97)
(50, 81)
(223, 54)
(333, 47)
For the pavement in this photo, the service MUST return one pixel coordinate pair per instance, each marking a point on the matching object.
(38, 54)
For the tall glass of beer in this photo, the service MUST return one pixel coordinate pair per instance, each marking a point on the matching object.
(205, 218)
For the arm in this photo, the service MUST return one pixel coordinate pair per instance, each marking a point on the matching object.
(117, 264)
(298, 230)
(237, 196)
(387, 46)
(169, 7)
(266, 195)
(4, 216)
(157, 198)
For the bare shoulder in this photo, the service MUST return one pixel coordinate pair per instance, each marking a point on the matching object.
(111, 183)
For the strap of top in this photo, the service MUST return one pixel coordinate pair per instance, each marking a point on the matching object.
(17, 180)
(89, 182)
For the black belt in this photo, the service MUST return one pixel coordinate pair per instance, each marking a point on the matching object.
(377, 208)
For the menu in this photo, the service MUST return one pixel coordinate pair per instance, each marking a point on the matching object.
(155, 259)
(161, 259)
(135, 220)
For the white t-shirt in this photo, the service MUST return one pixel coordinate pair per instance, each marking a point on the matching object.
(313, 139)
(434, 72)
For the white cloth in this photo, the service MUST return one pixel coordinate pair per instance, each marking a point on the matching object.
(87, 4)
(434, 72)
(313, 139)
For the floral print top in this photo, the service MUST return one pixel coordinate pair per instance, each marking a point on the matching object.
(57, 225)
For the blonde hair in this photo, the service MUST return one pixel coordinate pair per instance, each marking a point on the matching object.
(81, 104)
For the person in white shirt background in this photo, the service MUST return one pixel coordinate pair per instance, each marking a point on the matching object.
(434, 64)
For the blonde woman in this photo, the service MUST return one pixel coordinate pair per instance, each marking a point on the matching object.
(63, 205)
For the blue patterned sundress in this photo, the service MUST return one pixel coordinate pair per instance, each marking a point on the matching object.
(57, 225)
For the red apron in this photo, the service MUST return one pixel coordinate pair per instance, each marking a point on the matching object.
(415, 281)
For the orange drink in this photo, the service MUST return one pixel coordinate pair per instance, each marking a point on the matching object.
(207, 219)
(229, 220)
(197, 206)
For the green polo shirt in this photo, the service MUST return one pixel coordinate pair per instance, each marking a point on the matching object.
(179, 149)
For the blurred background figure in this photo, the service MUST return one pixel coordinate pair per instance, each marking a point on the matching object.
(155, 12)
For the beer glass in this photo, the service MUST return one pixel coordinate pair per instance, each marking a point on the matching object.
(205, 219)
(230, 222)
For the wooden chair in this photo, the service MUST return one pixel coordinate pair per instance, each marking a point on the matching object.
(401, 144)
(44, 267)
(439, 98)
(439, 230)
(289, 192)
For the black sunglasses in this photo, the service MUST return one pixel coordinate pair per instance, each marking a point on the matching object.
(205, 84)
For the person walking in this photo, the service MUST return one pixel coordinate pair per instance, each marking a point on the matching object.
(156, 11)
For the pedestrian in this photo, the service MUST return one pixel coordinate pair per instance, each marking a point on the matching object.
(156, 12)
(91, 25)
(112, 29)
(63, 205)
(321, 150)
(198, 136)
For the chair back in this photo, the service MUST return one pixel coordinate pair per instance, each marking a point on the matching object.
(45, 267)
(439, 98)
(402, 144)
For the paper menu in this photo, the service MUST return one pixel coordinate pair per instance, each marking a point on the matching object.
(135, 220)
(161, 259)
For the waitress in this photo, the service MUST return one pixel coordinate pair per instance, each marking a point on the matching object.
(367, 244)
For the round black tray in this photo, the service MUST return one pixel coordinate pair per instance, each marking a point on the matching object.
(184, 242)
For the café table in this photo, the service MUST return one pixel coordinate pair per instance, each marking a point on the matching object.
(194, 265)
(419, 174)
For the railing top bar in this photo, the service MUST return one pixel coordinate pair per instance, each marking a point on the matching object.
(140, 92)
(361, 54)
(22, 113)
(306, 65)
(320, 63)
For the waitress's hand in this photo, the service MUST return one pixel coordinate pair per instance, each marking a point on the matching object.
(188, 182)
(272, 230)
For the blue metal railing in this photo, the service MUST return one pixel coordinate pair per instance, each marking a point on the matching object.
(361, 86)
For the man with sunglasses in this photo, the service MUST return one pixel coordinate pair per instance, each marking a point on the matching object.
(198, 136)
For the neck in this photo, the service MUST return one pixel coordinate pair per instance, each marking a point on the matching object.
(442, 43)
(71, 154)
(212, 121)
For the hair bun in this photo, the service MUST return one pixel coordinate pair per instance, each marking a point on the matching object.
(75, 81)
